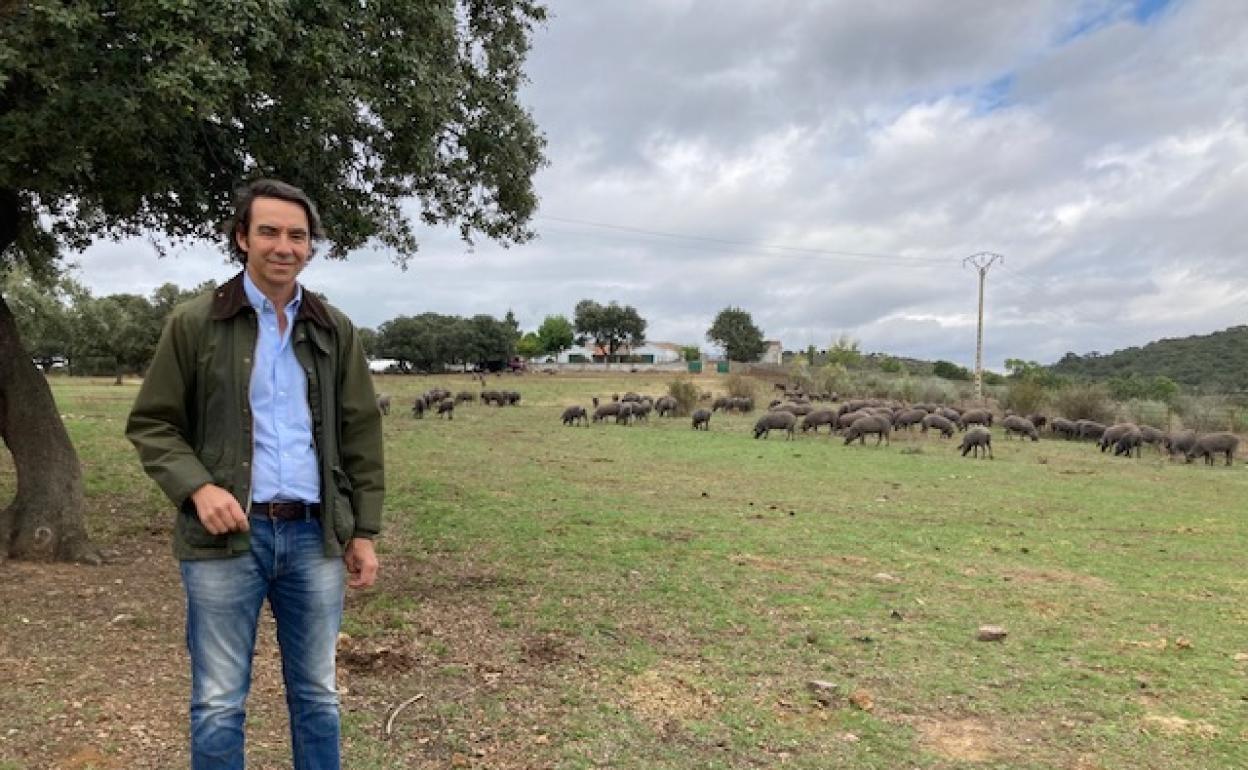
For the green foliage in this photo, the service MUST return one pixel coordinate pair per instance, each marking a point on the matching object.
(1025, 397)
(511, 326)
(1031, 371)
(1085, 401)
(740, 386)
(733, 329)
(993, 378)
(1213, 362)
(556, 334)
(833, 378)
(529, 346)
(800, 374)
(690, 353)
(118, 121)
(123, 327)
(1146, 412)
(61, 319)
(44, 313)
(1212, 413)
(891, 365)
(845, 351)
(686, 394)
(429, 341)
(935, 390)
(1158, 388)
(903, 388)
(950, 371)
(368, 338)
(609, 326)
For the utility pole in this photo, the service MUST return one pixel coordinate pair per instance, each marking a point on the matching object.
(981, 262)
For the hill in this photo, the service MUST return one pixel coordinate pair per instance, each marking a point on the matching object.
(1217, 361)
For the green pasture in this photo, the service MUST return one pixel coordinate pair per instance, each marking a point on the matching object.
(655, 597)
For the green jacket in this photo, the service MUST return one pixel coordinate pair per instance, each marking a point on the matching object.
(192, 419)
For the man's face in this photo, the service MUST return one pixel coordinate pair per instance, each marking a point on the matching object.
(277, 243)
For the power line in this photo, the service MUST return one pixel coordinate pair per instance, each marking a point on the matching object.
(747, 244)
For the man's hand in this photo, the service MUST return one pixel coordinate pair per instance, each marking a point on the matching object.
(218, 511)
(361, 562)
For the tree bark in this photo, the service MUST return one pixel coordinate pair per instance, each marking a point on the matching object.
(45, 519)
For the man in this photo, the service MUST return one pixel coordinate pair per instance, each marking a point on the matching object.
(257, 418)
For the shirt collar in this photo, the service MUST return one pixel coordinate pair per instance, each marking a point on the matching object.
(261, 302)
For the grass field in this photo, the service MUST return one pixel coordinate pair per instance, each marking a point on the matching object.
(655, 597)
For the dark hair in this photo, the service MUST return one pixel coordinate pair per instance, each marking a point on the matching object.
(268, 188)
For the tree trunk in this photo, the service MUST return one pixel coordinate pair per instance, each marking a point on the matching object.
(45, 519)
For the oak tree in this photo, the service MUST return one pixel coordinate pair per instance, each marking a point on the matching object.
(125, 118)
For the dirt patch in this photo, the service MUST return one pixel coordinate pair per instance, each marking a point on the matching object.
(377, 660)
(1056, 576)
(1175, 726)
(962, 740)
(660, 696)
(544, 651)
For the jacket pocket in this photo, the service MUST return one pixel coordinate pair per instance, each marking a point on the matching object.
(344, 514)
(191, 531)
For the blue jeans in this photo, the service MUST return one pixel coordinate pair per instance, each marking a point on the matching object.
(223, 600)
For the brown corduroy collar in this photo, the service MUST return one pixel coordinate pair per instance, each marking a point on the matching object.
(231, 297)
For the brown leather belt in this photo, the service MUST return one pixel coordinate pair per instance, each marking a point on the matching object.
(284, 511)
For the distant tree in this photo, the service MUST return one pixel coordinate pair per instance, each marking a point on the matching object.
(44, 314)
(122, 327)
(556, 334)
(167, 296)
(891, 365)
(512, 326)
(845, 350)
(734, 330)
(529, 346)
(417, 342)
(368, 338)
(1030, 371)
(609, 326)
(950, 371)
(1025, 396)
(1134, 386)
(493, 341)
(690, 353)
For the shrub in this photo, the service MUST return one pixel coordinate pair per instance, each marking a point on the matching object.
(741, 387)
(871, 386)
(903, 389)
(1211, 413)
(833, 378)
(686, 394)
(1024, 397)
(1085, 402)
(800, 376)
(1147, 412)
(950, 371)
(934, 390)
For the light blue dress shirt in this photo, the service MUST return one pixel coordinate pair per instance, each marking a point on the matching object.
(284, 465)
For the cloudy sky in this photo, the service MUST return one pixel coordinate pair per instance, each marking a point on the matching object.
(827, 165)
